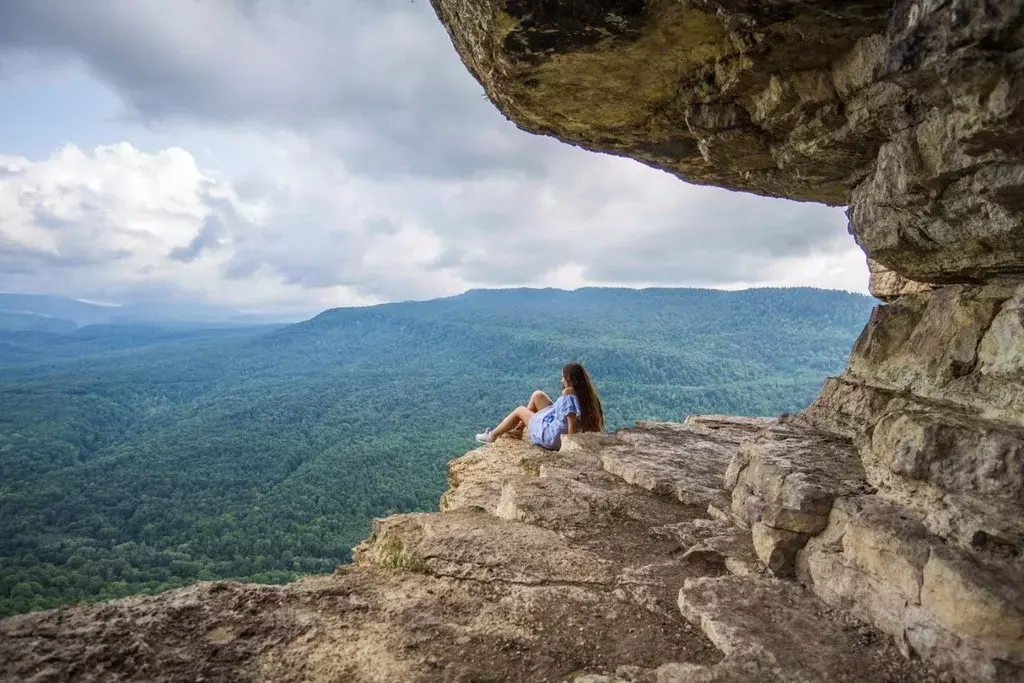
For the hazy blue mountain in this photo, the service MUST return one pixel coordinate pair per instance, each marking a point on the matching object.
(32, 322)
(136, 457)
(42, 307)
(58, 314)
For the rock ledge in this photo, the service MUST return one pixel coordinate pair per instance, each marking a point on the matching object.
(542, 567)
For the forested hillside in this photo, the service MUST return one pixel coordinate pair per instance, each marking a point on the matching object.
(134, 458)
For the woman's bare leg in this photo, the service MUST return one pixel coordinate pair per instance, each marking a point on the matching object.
(539, 401)
(522, 414)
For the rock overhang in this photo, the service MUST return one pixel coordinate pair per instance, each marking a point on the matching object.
(909, 112)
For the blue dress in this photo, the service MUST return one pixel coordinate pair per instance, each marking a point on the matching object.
(548, 425)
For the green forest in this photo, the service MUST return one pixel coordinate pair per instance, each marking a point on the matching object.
(135, 458)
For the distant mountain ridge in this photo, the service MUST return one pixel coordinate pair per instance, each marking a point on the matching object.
(47, 313)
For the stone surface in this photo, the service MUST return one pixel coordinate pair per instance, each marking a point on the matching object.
(964, 474)
(557, 501)
(883, 540)
(733, 427)
(715, 542)
(978, 602)
(476, 479)
(887, 285)
(848, 408)
(479, 547)
(840, 584)
(685, 461)
(783, 632)
(787, 476)
(960, 453)
(878, 561)
(730, 671)
(934, 398)
(912, 113)
(776, 548)
(713, 92)
(947, 345)
(360, 625)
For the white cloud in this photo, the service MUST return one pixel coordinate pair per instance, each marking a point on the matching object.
(106, 224)
(116, 202)
(118, 223)
(323, 153)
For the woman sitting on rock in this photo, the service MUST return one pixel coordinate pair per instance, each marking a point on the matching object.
(578, 409)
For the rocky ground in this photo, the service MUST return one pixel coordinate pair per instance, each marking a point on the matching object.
(617, 559)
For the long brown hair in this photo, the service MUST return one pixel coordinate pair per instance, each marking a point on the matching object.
(591, 418)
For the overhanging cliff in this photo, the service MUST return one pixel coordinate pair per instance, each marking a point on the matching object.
(912, 114)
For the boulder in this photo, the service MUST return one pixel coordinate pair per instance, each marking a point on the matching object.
(962, 610)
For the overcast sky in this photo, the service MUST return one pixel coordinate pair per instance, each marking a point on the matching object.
(293, 155)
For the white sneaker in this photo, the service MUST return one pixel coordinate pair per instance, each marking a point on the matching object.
(485, 437)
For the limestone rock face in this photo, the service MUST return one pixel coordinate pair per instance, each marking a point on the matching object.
(889, 285)
(775, 625)
(933, 401)
(787, 478)
(747, 95)
(934, 396)
(962, 610)
(911, 112)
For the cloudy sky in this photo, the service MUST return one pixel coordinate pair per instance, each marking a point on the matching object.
(293, 155)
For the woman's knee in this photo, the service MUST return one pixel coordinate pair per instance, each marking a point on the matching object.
(538, 401)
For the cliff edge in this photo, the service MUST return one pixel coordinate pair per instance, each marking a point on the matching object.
(617, 559)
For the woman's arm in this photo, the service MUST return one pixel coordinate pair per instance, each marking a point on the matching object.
(571, 420)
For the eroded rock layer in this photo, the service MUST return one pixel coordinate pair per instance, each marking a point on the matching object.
(934, 398)
(911, 112)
